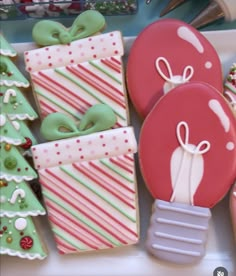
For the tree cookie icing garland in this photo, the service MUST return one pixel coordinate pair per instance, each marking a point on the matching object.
(179, 150)
(165, 54)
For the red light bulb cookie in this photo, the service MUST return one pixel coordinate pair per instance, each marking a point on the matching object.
(166, 53)
(179, 150)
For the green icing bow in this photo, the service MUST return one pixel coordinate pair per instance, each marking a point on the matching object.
(59, 126)
(49, 32)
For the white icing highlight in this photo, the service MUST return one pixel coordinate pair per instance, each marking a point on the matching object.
(9, 93)
(216, 107)
(173, 80)
(16, 125)
(20, 224)
(187, 35)
(16, 193)
(2, 199)
(2, 120)
(230, 146)
(208, 65)
(187, 167)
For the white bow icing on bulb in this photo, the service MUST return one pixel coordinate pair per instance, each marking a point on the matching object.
(187, 167)
(173, 80)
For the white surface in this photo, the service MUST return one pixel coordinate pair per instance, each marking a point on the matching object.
(133, 260)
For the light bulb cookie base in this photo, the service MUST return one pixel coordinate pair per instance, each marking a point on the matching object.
(178, 232)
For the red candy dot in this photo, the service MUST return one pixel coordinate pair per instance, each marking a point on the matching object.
(101, 136)
(81, 157)
(126, 140)
(77, 141)
(26, 243)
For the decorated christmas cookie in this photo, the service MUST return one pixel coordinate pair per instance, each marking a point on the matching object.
(230, 86)
(89, 185)
(13, 165)
(8, 133)
(14, 103)
(18, 237)
(10, 75)
(165, 54)
(179, 150)
(17, 199)
(6, 49)
(49, 32)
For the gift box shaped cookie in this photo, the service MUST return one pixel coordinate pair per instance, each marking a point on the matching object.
(88, 183)
(72, 77)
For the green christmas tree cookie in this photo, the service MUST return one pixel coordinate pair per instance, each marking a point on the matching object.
(14, 103)
(6, 49)
(13, 165)
(17, 199)
(10, 75)
(18, 237)
(8, 132)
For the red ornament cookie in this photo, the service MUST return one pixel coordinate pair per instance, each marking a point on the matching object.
(204, 129)
(183, 150)
(166, 53)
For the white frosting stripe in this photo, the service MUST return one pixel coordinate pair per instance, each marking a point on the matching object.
(84, 148)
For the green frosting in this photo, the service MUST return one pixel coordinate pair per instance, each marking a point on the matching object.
(14, 103)
(10, 74)
(8, 133)
(9, 156)
(49, 32)
(17, 199)
(18, 237)
(59, 126)
(5, 48)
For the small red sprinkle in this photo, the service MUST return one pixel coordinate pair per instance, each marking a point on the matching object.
(101, 136)
(4, 228)
(58, 153)
(77, 141)
(18, 169)
(49, 57)
(94, 56)
(81, 157)
(126, 141)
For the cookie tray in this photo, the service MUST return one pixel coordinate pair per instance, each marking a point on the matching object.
(134, 260)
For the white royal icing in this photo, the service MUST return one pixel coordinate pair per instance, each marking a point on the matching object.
(187, 35)
(187, 167)
(173, 80)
